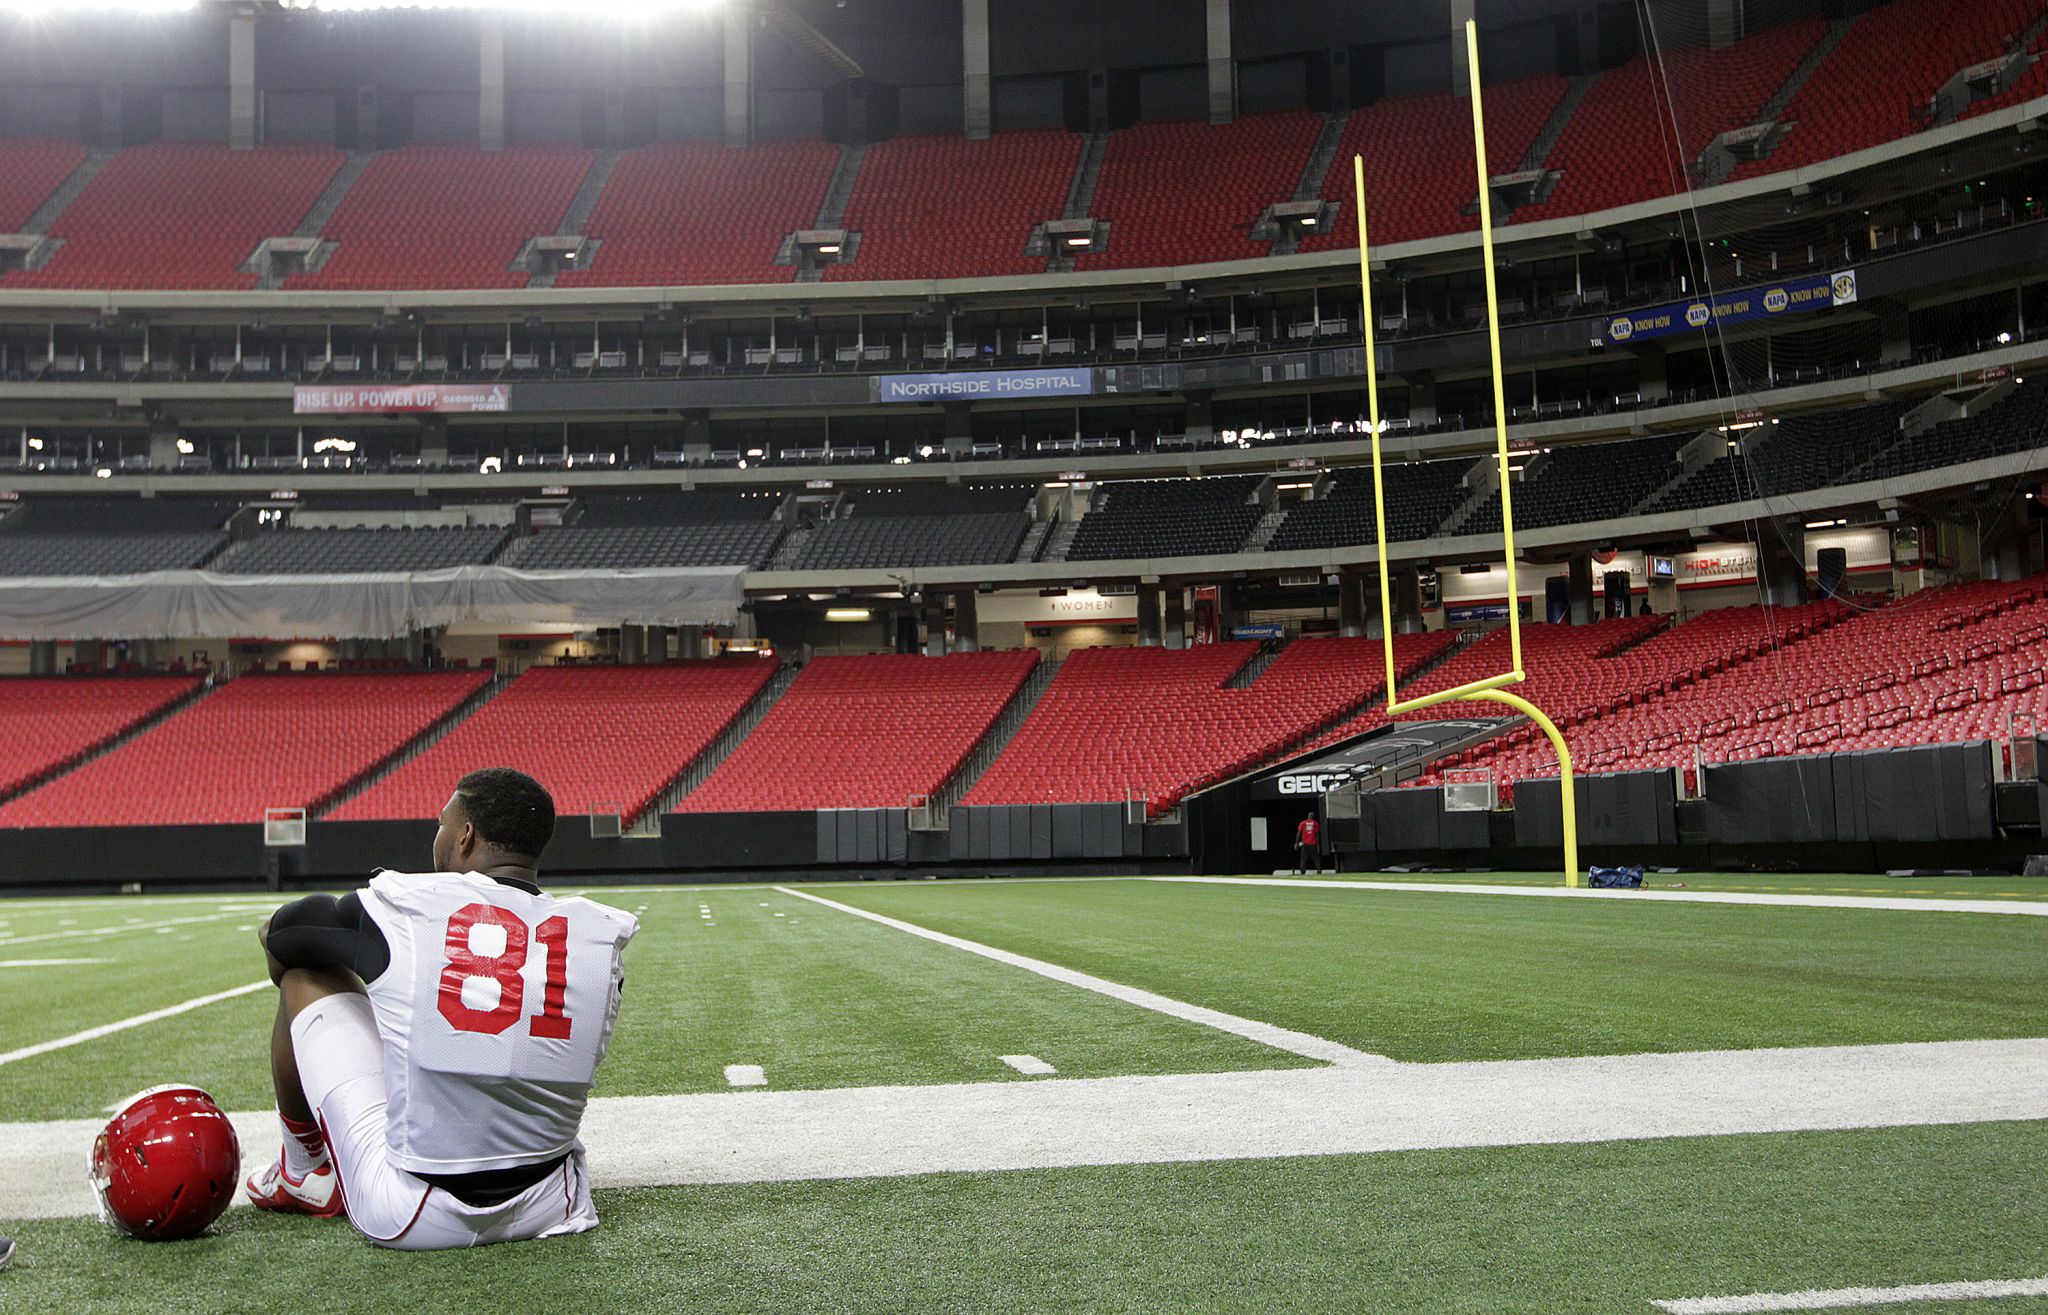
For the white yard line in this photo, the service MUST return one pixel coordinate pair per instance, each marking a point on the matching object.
(745, 1075)
(47, 963)
(1843, 1298)
(74, 933)
(108, 1029)
(2034, 909)
(1280, 1038)
(782, 1135)
(1030, 1065)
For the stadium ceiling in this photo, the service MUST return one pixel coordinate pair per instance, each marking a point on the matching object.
(611, 11)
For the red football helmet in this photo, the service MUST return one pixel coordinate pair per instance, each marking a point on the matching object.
(166, 1164)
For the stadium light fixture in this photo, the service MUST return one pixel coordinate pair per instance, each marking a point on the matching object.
(335, 445)
(35, 445)
(103, 473)
(185, 448)
(617, 11)
(490, 466)
(848, 614)
(1077, 241)
(59, 8)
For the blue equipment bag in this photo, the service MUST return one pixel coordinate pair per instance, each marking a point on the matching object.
(1618, 878)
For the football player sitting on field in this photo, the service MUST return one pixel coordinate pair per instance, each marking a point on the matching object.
(437, 1035)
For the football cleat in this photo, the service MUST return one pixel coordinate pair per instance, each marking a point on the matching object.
(317, 1194)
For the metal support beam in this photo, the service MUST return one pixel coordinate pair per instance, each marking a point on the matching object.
(739, 74)
(242, 128)
(1462, 12)
(490, 81)
(979, 110)
(1222, 68)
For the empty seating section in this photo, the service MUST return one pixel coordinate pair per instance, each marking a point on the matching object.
(1183, 192)
(446, 217)
(29, 172)
(948, 207)
(1791, 455)
(655, 531)
(695, 214)
(1167, 518)
(865, 732)
(920, 527)
(359, 552)
(1918, 45)
(46, 722)
(1156, 723)
(1621, 144)
(181, 216)
(111, 536)
(1419, 178)
(1552, 655)
(256, 743)
(2031, 83)
(1420, 494)
(1584, 482)
(599, 738)
(1945, 665)
(2014, 423)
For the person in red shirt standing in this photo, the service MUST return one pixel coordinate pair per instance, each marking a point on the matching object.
(1308, 844)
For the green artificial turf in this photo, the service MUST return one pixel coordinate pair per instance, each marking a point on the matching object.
(818, 998)
(1427, 976)
(1557, 1230)
(1751, 883)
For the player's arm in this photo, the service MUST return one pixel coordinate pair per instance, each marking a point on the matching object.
(321, 931)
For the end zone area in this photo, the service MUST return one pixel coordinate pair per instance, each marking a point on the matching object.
(1520, 1129)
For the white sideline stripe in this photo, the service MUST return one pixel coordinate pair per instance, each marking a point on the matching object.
(1280, 1038)
(1841, 1298)
(8, 942)
(1059, 1122)
(1030, 1064)
(108, 1029)
(46, 963)
(2032, 909)
(745, 1075)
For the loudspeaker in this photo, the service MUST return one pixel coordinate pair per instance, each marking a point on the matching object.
(1616, 587)
(1832, 567)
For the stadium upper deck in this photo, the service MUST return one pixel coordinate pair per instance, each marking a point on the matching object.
(187, 215)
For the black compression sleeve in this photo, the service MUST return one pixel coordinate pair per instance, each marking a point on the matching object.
(321, 931)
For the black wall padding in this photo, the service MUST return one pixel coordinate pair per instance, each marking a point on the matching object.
(1041, 830)
(1465, 830)
(1617, 808)
(1771, 801)
(1405, 819)
(1929, 792)
(1068, 831)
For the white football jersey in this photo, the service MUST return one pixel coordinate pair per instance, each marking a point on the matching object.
(495, 1012)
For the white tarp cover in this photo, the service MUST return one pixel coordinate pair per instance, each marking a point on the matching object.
(184, 604)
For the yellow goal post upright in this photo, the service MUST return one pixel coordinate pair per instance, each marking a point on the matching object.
(1490, 689)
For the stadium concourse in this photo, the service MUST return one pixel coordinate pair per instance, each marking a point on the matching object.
(903, 478)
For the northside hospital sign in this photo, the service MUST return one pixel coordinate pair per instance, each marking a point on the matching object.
(1765, 301)
(972, 385)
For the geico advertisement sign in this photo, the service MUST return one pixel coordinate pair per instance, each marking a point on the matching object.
(1314, 782)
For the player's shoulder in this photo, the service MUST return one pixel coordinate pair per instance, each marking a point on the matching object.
(624, 923)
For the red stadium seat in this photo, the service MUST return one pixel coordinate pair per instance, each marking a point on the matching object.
(865, 732)
(258, 742)
(596, 737)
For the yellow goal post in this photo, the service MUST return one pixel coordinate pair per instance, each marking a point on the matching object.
(1490, 689)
